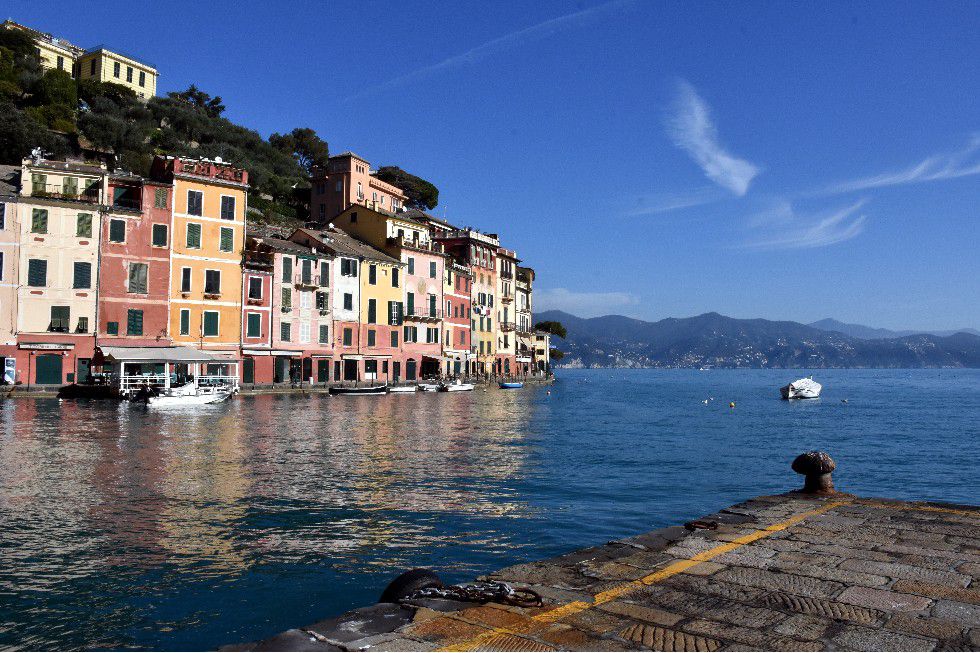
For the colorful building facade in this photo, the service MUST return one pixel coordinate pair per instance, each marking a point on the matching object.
(9, 271)
(347, 180)
(456, 320)
(523, 308)
(505, 362)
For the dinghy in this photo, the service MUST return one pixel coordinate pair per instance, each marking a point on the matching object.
(455, 386)
(428, 387)
(805, 388)
(511, 385)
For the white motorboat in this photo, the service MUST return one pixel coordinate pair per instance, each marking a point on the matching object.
(429, 387)
(190, 395)
(169, 376)
(403, 388)
(805, 388)
(455, 386)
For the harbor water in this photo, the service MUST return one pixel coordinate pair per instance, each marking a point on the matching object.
(128, 527)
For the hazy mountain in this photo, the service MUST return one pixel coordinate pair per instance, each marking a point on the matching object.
(719, 341)
(871, 333)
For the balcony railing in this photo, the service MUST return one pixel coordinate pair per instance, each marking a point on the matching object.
(422, 313)
(127, 204)
(308, 281)
(525, 330)
(506, 275)
(506, 298)
(58, 192)
(507, 326)
(422, 244)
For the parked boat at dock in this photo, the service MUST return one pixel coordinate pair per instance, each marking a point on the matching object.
(455, 386)
(511, 385)
(403, 388)
(805, 388)
(429, 387)
(363, 390)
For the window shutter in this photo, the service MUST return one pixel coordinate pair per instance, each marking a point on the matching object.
(185, 322)
(160, 198)
(194, 235)
(134, 322)
(195, 202)
(117, 231)
(160, 235)
(254, 325)
(324, 273)
(227, 243)
(372, 315)
(39, 221)
(137, 278)
(324, 334)
(210, 323)
(83, 227)
(37, 272)
(83, 275)
(112, 328)
(287, 269)
(287, 298)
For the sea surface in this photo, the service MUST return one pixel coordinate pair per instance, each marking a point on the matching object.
(128, 527)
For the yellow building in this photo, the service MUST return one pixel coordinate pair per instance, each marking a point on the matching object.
(208, 238)
(54, 53)
(104, 65)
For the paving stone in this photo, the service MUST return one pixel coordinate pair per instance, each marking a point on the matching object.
(824, 608)
(508, 642)
(597, 621)
(804, 626)
(402, 644)
(704, 569)
(969, 568)
(715, 608)
(848, 552)
(495, 618)
(443, 629)
(859, 638)
(709, 585)
(934, 628)
(898, 570)
(665, 639)
(566, 637)
(829, 573)
(935, 591)
(963, 613)
(613, 571)
(646, 561)
(884, 599)
(793, 584)
(751, 636)
(294, 640)
(642, 613)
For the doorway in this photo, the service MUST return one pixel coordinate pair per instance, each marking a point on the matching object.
(47, 369)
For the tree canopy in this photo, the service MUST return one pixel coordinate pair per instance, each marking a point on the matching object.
(421, 194)
(304, 145)
(552, 327)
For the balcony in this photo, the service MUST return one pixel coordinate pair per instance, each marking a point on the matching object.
(506, 275)
(259, 260)
(70, 194)
(507, 326)
(506, 299)
(525, 330)
(422, 313)
(307, 281)
(127, 204)
(425, 245)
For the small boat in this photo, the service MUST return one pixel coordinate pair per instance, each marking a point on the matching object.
(428, 387)
(805, 388)
(403, 388)
(455, 386)
(363, 390)
(511, 385)
(189, 394)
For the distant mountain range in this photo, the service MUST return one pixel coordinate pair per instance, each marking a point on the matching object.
(718, 341)
(871, 333)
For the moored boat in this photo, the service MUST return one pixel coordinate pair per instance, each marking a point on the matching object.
(428, 387)
(455, 386)
(363, 390)
(511, 385)
(403, 388)
(805, 388)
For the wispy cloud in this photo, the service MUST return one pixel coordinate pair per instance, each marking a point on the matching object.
(665, 203)
(507, 41)
(691, 129)
(787, 229)
(583, 304)
(951, 165)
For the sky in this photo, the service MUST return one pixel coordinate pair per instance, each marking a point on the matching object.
(653, 159)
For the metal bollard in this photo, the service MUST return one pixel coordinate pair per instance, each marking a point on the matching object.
(816, 466)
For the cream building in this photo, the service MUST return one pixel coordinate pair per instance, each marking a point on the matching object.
(104, 65)
(53, 52)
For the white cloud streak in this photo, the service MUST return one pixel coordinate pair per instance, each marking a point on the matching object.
(790, 230)
(666, 203)
(951, 165)
(507, 41)
(691, 129)
(583, 304)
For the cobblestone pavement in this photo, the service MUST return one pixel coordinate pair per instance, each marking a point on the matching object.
(784, 572)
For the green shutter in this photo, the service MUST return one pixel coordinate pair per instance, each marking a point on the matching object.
(372, 315)
(39, 221)
(117, 231)
(160, 235)
(324, 334)
(210, 323)
(254, 325)
(287, 298)
(227, 239)
(37, 273)
(83, 228)
(60, 318)
(83, 275)
(193, 235)
(287, 269)
(134, 322)
(185, 322)
(160, 198)
(112, 328)
(137, 277)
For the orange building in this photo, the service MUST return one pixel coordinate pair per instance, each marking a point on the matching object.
(207, 242)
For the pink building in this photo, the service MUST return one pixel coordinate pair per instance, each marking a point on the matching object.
(348, 180)
(257, 268)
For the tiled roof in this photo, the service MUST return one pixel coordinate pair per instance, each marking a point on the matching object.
(9, 180)
(346, 245)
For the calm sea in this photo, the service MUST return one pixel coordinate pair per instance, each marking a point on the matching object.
(122, 527)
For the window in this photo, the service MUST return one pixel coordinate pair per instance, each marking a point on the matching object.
(323, 210)
(69, 187)
(348, 301)
(159, 235)
(117, 231)
(360, 196)
(61, 63)
(137, 277)
(432, 335)
(372, 338)
(185, 321)
(306, 271)
(373, 275)
(348, 337)
(116, 69)
(253, 325)
(3, 215)
(227, 207)
(304, 331)
(324, 273)
(210, 323)
(83, 275)
(255, 287)
(227, 240)
(37, 273)
(212, 282)
(321, 301)
(134, 322)
(142, 78)
(410, 304)
(39, 221)
(411, 334)
(160, 198)
(304, 299)
(60, 319)
(324, 334)
(338, 187)
(195, 202)
(394, 277)
(394, 313)
(129, 74)
(112, 328)
(394, 337)
(185, 280)
(432, 305)
(411, 265)
(287, 269)
(432, 269)
(285, 331)
(193, 235)
(287, 298)
(372, 313)
(91, 67)
(348, 267)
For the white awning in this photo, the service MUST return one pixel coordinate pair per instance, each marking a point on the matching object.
(158, 355)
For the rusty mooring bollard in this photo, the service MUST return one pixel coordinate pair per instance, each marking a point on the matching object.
(816, 466)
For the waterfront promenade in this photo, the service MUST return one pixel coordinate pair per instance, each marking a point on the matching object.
(796, 571)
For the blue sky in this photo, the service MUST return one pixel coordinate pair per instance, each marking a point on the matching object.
(784, 160)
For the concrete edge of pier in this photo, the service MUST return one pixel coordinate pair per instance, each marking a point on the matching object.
(796, 571)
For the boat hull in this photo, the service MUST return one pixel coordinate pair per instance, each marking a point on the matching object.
(511, 386)
(403, 388)
(456, 387)
(169, 401)
(367, 390)
(801, 389)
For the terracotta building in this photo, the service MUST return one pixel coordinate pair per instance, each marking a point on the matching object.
(348, 180)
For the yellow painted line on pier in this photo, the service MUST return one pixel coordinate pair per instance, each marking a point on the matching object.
(556, 614)
(917, 508)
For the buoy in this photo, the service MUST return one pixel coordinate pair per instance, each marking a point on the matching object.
(843, 401)
(549, 392)
(705, 402)
(731, 404)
